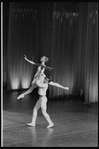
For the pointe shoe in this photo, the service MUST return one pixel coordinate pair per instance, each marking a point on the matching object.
(20, 96)
(30, 124)
(50, 125)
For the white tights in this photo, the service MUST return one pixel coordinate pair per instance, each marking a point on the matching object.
(27, 92)
(41, 103)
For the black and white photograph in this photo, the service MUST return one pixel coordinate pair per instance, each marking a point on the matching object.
(49, 74)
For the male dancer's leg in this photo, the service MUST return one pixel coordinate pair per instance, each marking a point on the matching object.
(44, 108)
(36, 108)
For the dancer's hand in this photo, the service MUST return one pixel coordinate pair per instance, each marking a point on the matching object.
(25, 57)
(49, 68)
(67, 88)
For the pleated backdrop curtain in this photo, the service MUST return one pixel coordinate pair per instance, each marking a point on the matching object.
(23, 40)
(74, 54)
(65, 32)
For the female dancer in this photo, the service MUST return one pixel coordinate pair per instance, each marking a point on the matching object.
(40, 70)
(42, 102)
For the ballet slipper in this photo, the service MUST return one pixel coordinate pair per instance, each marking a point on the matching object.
(20, 96)
(50, 125)
(30, 124)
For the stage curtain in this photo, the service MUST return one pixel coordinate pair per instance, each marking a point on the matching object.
(23, 39)
(74, 53)
(66, 32)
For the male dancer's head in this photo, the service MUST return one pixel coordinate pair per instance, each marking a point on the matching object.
(47, 79)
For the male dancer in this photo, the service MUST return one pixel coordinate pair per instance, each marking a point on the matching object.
(42, 102)
(40, 70)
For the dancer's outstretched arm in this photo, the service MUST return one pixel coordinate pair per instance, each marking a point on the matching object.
(33, 63)
(51, 83)
(58, 85)
(37, 64)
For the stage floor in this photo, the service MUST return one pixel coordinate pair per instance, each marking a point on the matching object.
(76, 124)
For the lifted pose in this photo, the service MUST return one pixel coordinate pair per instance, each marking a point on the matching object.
(42, 102)
(40, 70)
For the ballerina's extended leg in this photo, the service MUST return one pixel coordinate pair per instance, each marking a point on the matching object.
(27, 92)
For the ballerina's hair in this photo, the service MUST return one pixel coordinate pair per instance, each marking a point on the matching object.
(46, 58)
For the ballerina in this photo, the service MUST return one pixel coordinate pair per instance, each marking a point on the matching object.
(40, 70)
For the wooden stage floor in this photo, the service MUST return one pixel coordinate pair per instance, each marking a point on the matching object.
(76, 124)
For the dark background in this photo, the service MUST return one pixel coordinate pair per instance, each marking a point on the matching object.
(65, 32)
